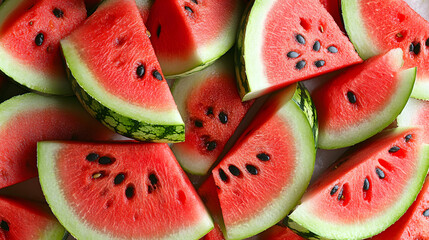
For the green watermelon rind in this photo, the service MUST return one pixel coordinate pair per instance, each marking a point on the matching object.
(191, 160)
(410, 113)
(366, 48)
(122, 117)
(289, 197)
(24, 74)
(206, 55)
(325, 229)
(54, 231)
(46, 163)
(303, 99)
(379, 121)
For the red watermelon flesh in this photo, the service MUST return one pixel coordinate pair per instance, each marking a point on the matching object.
(30, 118)
(333, 7)
(138, 187)
(414, 224)
(96, 44)
(368, 189)
(376, 26)
(212, 109)
(52, 19)
(142, 5)
(416, 113)
(182, 29)
(363, 100)
(27, 220)
(279, 233)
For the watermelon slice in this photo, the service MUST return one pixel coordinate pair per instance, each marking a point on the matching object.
(368, 189)
(212, 109)
(363, 100)
(414, 223)
(415, 113)
(116, 75)
(142, 5)
(188, 35)
(30, 32)
(138, 187)
(29, 118)
(264, 175)
(279, 233)
(376, 26)
(282, 42)
(333, 7)
(27, 220)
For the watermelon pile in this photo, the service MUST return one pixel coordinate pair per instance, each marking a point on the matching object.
(214, 119)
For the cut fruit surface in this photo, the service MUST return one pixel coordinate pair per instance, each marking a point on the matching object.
(29, 118)
(264, 175)
(139, 187)
(368, 189)
(281, 42)
(30, 32)
(279, 233)
(21, 219)
(363, 100)
(211, 109)
(415, 113)
(116, 75)
(376, 26)
(188, 35)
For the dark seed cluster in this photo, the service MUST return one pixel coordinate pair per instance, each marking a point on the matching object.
(380, 173)
(394, 149)
(39, 39)
(334, 190)
(351, 97)
(366, 184)
(408, 137)
(119, 179)
(251, 169)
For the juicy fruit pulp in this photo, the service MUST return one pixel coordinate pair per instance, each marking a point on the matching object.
(377, 26)
(212, 109)
(188, 35)
(415, 113)
(363, 100)
(29, 118)
(282, 42)
(368, 189)
(260, 182)
(30, 32)
(21, 219)
(117, 77)
(89, 186)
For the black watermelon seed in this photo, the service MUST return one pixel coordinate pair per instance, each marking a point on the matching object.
(300, 65)
(252, 169)
(195, 1)
(4, 225)
(316, 46)
(319, 63)
(39, 39)
(417, 47)
(105, 160)
(140, 71)
(352, 97)
(394, 149)
(153, 179)
(292, 54)
(158, 30)
(129, 192)
(340, 195)
(334, 190)
(92, 157)
(223, 175)
(223, 118)
(332, 49)
(198, 124)
(408, 137)
(189, 9)
(209, 111)
(380, 173)
(263, 157)
(300, 39)
(234, 170)
(425, 213)
(427, 42)
(58, 13)
(412, 47)
(211, 145)
(119, 178)
(366, 184)
(157, 75)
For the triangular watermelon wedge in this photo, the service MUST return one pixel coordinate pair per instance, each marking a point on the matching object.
(117, 77)
(282, 42)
